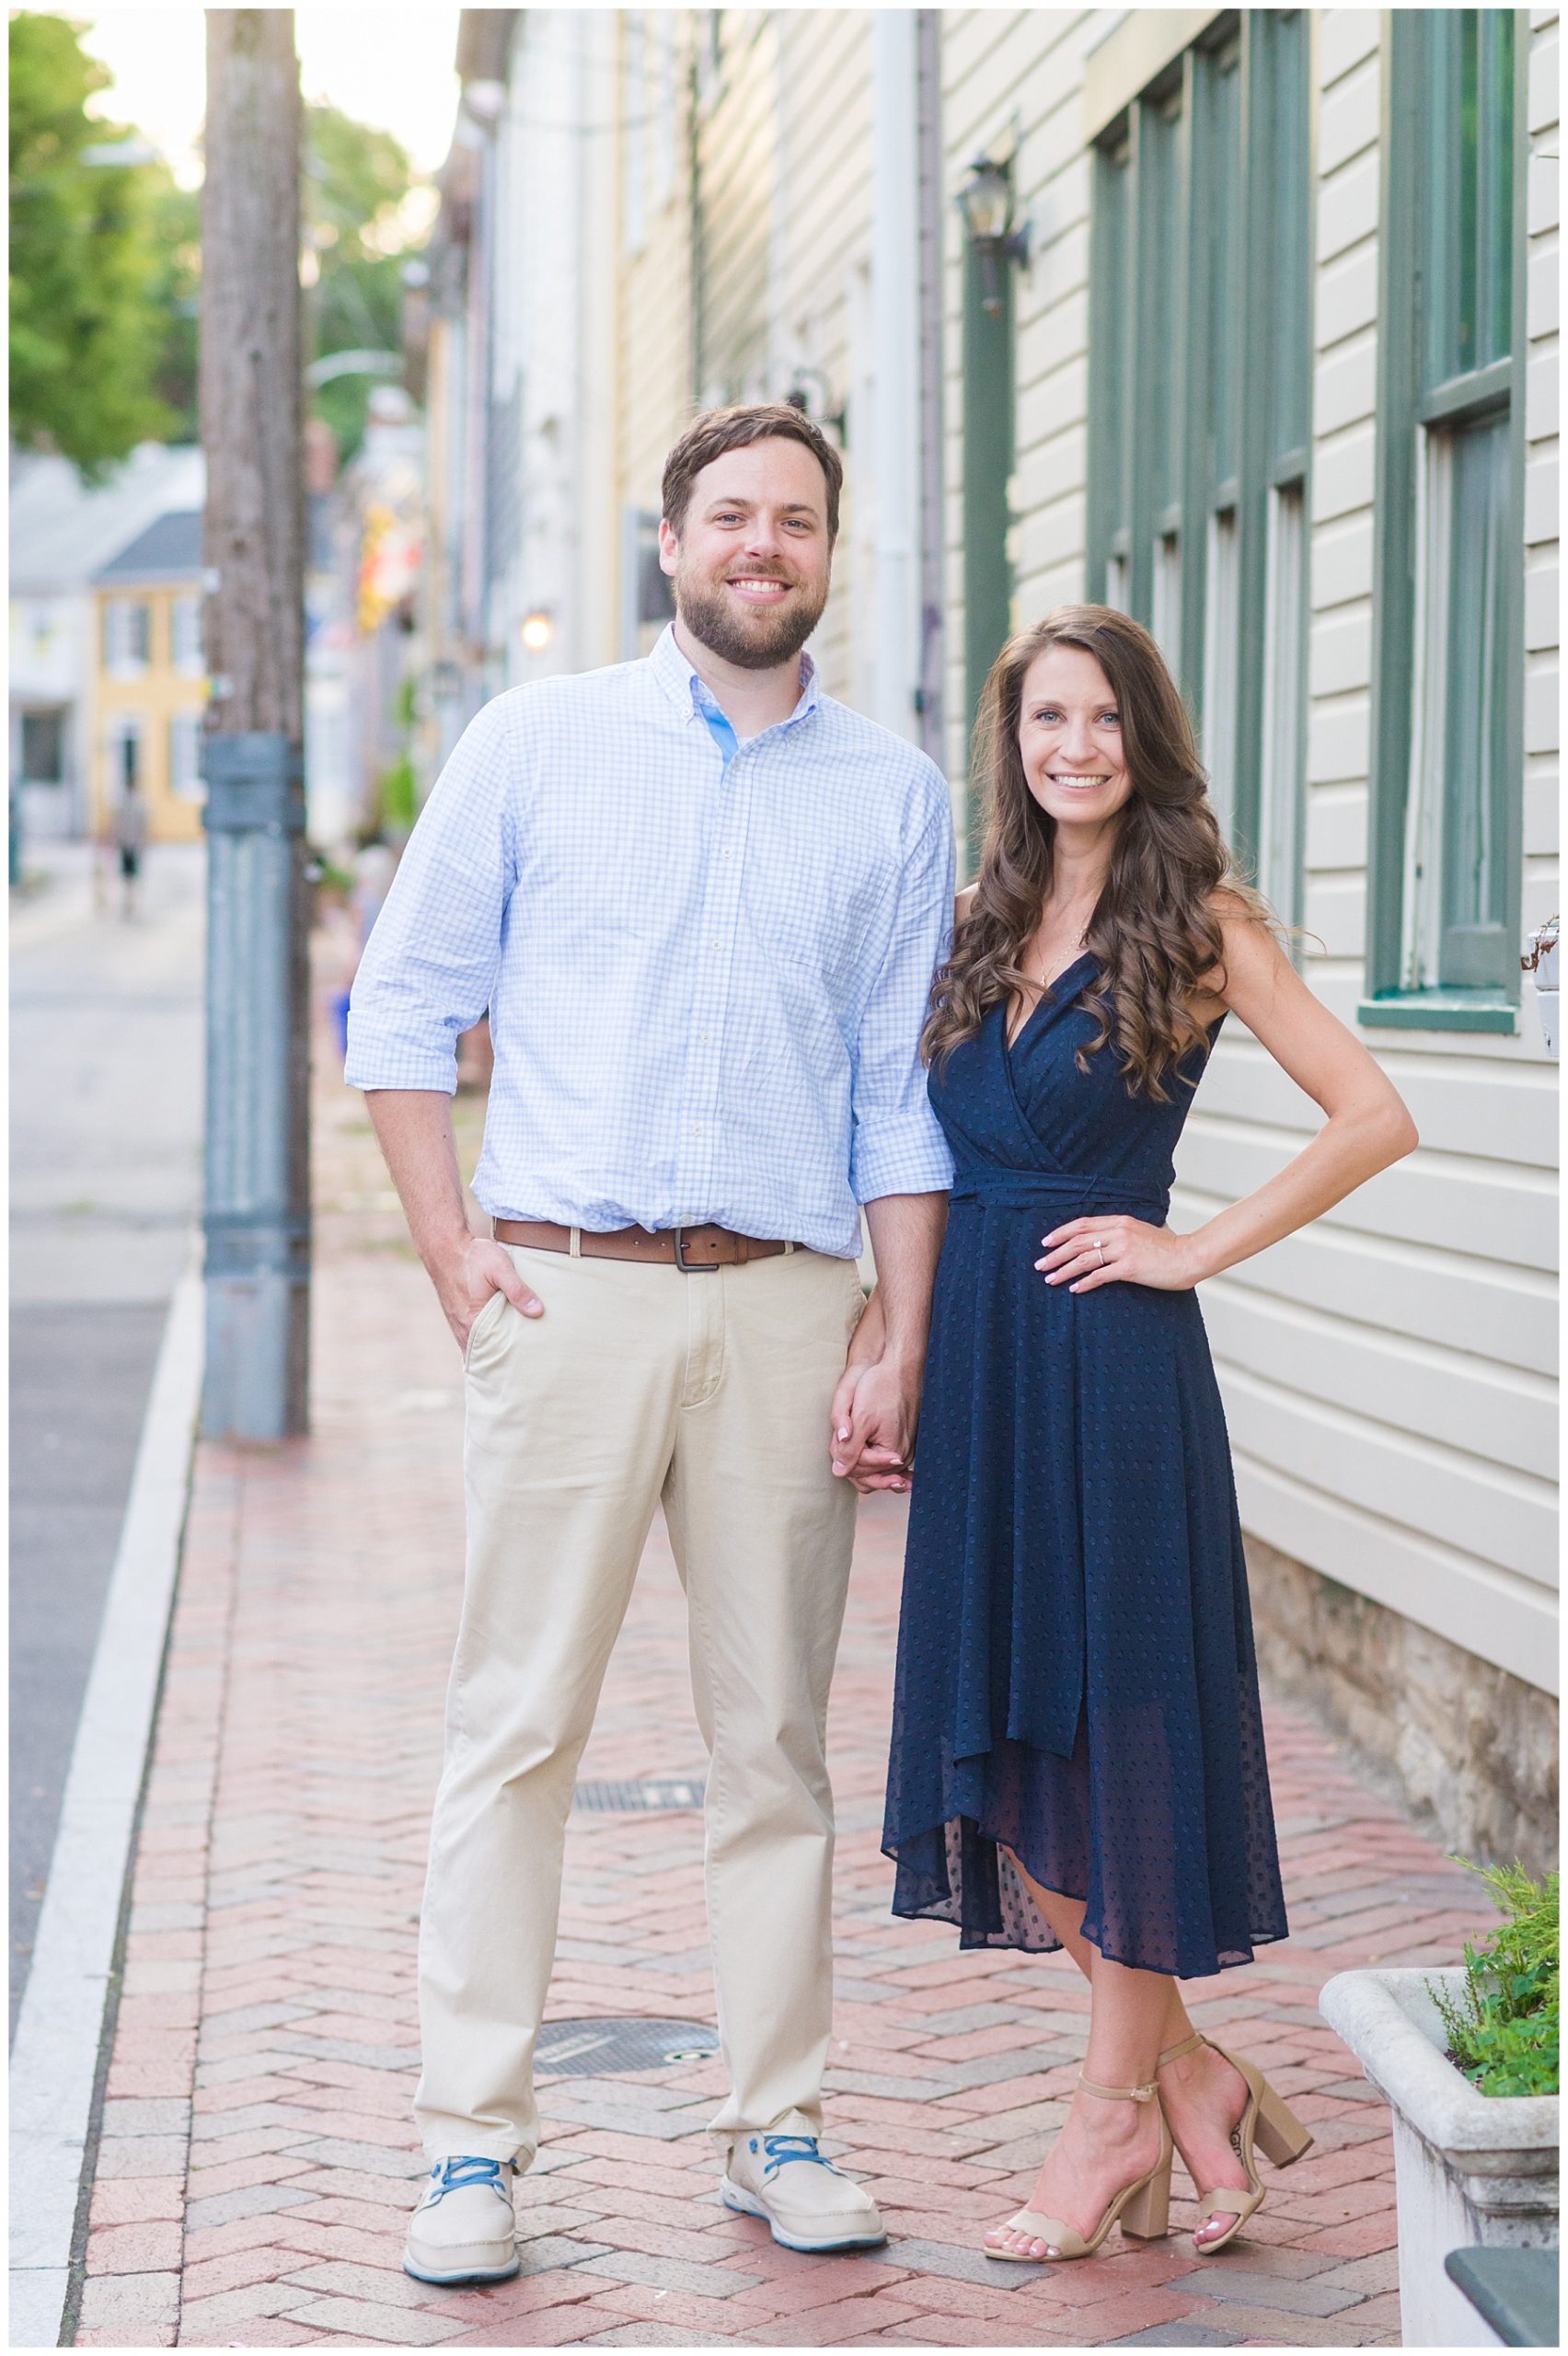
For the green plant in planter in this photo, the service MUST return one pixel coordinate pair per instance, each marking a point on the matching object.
(1502, 2023)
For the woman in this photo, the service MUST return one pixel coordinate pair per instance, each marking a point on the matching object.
(1078, 1755)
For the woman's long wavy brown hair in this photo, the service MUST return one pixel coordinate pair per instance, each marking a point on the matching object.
(1154, 930)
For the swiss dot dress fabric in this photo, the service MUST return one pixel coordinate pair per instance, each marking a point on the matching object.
(1076, 1672)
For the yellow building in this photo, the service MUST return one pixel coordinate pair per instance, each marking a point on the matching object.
(149, 682)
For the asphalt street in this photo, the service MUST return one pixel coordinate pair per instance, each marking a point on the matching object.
(106, 1127)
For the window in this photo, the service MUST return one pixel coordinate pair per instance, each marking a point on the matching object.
(44, 749)
(123, 737)
(185, 779)
(1200, 394)
(185, 633)
(127, 636)
(1446, 721)
(647, 591)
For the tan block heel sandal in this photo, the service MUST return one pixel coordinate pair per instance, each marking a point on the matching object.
(1268, 2124)
(1143, 2208)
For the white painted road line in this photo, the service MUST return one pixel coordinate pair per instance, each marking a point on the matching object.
(59, 2031)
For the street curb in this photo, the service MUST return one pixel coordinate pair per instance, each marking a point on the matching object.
(54, 2060)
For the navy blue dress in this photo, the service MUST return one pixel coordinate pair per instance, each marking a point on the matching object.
(1076, 1671)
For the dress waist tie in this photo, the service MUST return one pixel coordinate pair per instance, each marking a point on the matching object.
(1054, 1190)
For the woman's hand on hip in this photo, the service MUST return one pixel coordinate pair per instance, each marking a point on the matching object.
(1115, 1250)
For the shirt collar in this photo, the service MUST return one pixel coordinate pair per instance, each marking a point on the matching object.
(686, 691)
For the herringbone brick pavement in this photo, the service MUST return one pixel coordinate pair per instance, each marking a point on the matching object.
(257, 2160)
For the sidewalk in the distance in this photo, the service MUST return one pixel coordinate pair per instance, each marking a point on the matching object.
(258, 2158)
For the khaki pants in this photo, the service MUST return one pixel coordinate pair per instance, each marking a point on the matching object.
(711, 1391)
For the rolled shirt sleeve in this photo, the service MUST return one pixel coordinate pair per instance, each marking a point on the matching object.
(897, 1144)
(429, 965)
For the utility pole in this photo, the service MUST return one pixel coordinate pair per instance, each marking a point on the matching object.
(258, 1176)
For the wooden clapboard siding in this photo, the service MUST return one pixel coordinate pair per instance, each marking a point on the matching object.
(736, 161)
(1469, 1502)
(1503, 1211)
(1496, 1614)
(1448, 1395)
(820, 284)
(1458, 1107)
(1506, 1314)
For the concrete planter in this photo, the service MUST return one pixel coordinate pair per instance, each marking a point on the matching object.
(1468, 2169)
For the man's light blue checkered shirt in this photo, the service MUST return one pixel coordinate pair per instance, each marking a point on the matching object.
(707, 965)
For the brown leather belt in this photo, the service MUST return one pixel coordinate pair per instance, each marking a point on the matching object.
(691, 1249)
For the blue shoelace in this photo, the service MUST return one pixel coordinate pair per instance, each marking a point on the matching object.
(455, 2175)
(781, 2149)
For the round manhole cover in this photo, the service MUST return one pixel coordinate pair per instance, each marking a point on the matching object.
(600, 2048)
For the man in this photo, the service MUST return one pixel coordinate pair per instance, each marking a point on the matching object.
(702, 903)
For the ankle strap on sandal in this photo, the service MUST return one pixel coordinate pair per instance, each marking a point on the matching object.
(1118, 2094)
(1188, 2044)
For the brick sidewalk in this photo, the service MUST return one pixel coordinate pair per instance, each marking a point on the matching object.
(258, 2157)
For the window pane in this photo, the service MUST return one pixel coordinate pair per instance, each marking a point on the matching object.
(1224, 226)
(1158, 292)
(1495, 270)
(185, 628)
(1280, 799)
(184, 750)
(1467, 159)
(1220, 652)
(1113, 298)
(42, 748)
(1468, 201)
(1475, 699)
(1165, 617)
(1290, 223)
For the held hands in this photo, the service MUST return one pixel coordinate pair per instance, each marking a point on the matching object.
(1117, 1250)
(467, 1276)
(871, 1433)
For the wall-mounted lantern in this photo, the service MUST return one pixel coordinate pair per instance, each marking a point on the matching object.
(826, 413)
(985, 200)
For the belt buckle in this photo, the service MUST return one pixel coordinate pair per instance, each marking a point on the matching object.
(691, 1268)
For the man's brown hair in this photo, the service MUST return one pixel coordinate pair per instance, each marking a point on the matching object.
(718, 430)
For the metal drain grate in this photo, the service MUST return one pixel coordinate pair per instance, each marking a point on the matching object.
(600, 2048)
(652, 1792)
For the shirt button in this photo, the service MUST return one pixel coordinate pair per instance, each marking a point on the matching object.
(705, 1038)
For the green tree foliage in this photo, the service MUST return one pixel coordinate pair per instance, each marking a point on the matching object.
(1502, 2027)
(93, 273)
(355, 181)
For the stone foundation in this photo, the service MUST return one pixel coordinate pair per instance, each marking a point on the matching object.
(1468, 1750)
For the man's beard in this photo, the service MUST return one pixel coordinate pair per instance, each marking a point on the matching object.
(759, 641)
